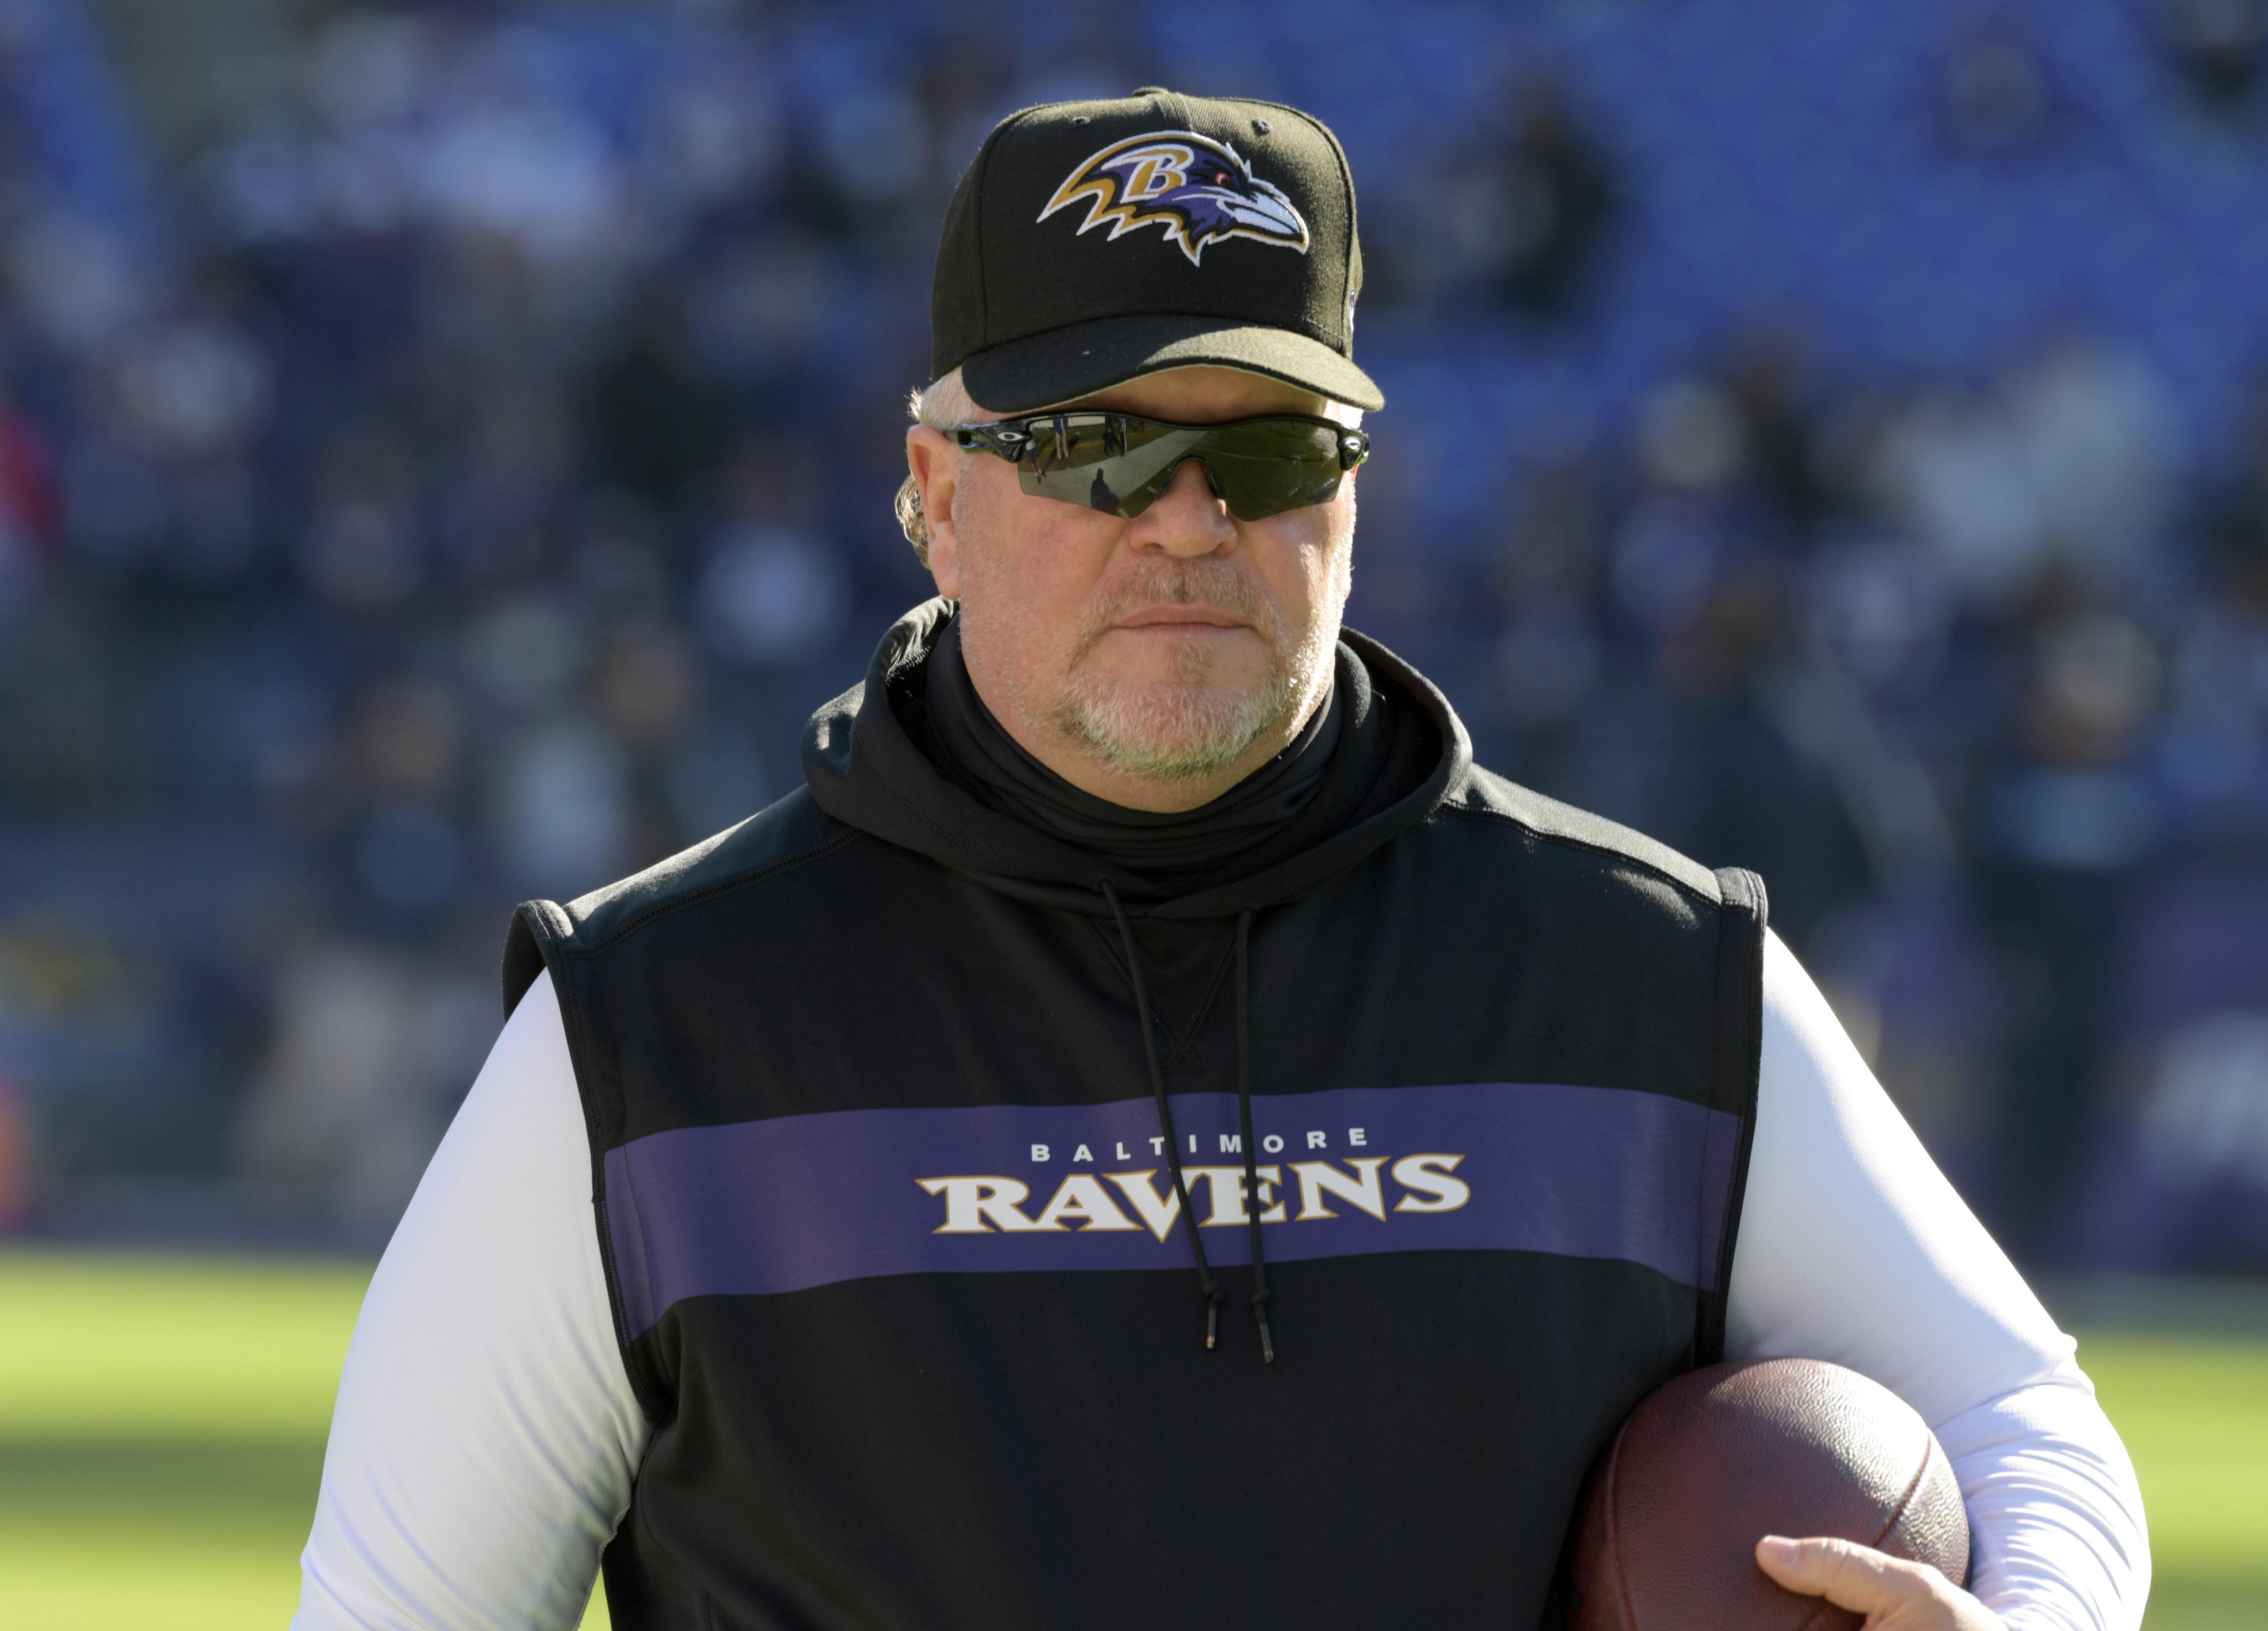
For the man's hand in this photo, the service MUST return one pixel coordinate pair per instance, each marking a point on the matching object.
(1893, 1594)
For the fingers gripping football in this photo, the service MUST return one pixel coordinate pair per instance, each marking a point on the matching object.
(1894, 1594)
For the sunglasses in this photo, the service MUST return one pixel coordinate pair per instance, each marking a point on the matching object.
(1119, 463)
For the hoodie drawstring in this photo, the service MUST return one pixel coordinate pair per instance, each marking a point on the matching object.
(1208, 1287)
(1260, 1293)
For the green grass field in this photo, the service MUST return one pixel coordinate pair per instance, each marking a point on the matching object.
(162, 1419)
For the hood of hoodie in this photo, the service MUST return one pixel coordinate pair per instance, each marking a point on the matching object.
(864, 761)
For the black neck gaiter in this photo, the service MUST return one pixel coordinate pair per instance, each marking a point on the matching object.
(1341, 766)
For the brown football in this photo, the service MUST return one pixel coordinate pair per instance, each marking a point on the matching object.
(1665, 1538)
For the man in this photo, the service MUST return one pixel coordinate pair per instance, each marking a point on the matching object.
(1130, 892)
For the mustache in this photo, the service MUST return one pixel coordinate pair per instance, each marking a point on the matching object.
(1215, 586)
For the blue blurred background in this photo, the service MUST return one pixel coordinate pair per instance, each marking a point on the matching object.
(446, 450)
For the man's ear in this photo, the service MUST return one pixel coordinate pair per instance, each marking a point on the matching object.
(936, 463)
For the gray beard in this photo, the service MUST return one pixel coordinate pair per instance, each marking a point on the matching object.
(1183, 729)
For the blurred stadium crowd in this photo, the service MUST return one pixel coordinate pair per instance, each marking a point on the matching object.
(446, 450)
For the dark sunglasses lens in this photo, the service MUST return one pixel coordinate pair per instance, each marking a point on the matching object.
(1266, 466)
(1105, 461)
(1119, 465)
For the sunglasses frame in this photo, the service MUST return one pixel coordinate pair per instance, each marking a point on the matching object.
(1010, 439)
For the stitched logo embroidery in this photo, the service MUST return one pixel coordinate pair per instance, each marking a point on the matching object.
(1199, 190)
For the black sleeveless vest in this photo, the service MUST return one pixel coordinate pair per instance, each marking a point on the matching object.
(901, 1277)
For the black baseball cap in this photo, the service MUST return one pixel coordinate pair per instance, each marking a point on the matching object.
(1093, 242)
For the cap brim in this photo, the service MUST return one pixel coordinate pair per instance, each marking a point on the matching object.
(1064, 365)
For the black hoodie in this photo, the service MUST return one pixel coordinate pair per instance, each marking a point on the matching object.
(899, 1107)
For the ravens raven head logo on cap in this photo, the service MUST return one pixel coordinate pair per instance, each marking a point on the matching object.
(1199, 190)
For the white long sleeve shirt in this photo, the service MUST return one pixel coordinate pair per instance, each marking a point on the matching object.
(486, 1438)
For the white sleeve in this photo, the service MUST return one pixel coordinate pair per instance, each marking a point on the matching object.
(486, 1438)
(1854, 1248)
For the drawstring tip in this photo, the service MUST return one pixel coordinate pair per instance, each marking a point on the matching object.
(1266, 1342)
(1212, 1325)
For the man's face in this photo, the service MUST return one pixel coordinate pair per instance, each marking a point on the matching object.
(1165, 657)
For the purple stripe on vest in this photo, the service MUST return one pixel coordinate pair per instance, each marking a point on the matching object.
(760, 1207)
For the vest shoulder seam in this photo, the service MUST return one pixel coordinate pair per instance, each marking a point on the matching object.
(1569, 842)
(663, 909)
